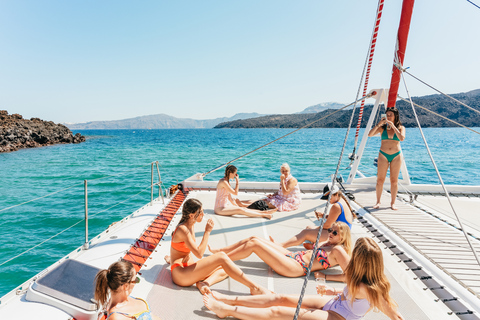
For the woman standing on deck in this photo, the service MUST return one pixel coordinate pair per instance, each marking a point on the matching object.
(206, 271)
(340, 211)
(288, 197)
(226, 205)
(335, 251)
(112, 291)
(390, 153)
(367, 288)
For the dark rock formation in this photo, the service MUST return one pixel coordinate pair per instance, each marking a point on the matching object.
(17, 133)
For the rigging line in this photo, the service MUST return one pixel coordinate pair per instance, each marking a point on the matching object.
(55, 235)
(474, 4)
(437, 114)
(119, 174)
(47, 195)
(327, 210)
(446, 95)
(305, 126)
(438, 174)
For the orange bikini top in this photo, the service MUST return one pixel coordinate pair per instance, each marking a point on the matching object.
(179, 246)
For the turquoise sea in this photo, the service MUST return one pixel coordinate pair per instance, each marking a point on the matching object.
(116, 164)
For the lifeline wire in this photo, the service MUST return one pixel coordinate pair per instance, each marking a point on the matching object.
(438, 173)
(474, 4)
(305, 126)
(73, 225)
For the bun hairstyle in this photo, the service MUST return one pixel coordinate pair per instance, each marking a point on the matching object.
(229, 169)
(106, 280)
(190, 206)
(395, 112)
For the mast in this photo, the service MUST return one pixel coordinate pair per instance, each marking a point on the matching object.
(401, 47)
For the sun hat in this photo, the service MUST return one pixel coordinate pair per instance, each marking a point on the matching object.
(326, 190)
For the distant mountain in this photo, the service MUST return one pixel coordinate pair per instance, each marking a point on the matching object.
(437, 103)
(158, 121)
(322, 107)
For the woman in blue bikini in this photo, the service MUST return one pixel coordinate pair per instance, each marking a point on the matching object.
(112, 291)
(335, 251)
(392, 132)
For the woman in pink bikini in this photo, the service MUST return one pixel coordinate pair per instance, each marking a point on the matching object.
(367, 288)
(335, 251)
(226, 205)
(288, 197)
(205, 271)
(392, 132)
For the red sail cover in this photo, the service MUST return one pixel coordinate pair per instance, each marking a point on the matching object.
(402, 36)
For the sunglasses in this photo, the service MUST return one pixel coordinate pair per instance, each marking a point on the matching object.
(137, 280)
(333, 232)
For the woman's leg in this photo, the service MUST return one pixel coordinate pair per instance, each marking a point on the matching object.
(394, 172)
(245, 211)
(382, 167)
(203, 268)
(271, 253)
(264, 311)
(305, 234)
(218, 275)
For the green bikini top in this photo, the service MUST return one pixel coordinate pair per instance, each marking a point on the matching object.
(385, 135)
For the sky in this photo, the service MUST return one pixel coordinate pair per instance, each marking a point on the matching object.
(91, 60)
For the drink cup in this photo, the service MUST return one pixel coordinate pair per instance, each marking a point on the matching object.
(321, 286)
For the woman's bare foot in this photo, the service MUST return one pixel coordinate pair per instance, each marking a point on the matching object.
(259, 290)
(230, 300)
(393, 206)
(213, 250)
(219, 308)
(268, 216)
(167, 259)
(376, 206)
(203, 287)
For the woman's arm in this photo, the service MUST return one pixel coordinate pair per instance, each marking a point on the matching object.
(390, 311)
(229, 188)
(378, 128)
(191, 244)
(332, 215)
(288, 187)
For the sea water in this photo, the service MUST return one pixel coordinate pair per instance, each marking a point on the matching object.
(116, 165)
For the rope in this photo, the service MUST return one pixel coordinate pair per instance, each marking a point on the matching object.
(474, 4)
(73, 225)
(443, 117)
(47, 195)
(327, 210)
(368, 61)
(305, 126)
(446, 95)
(438, 174)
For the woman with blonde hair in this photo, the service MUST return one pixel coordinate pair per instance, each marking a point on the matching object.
(335, 251)
(367, 288)
(226, 205)
(205, 271)
(112, 292)
(288, 196)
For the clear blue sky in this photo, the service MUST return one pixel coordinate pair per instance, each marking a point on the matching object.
(87, 60)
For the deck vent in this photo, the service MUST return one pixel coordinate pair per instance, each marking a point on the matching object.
(68, 287)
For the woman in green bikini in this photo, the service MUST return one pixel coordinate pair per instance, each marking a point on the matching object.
(392, 132)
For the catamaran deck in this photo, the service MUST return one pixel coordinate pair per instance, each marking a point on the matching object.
(173, 302)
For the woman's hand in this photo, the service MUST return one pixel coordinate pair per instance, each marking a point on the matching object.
(282, 177)
(318, 214)
(236, 177)
(209, 226)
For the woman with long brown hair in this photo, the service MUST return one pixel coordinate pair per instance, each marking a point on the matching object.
(205, 271)
(226, 205)
(367, 288)
(112, 292)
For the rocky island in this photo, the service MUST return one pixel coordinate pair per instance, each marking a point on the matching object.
(18, 133)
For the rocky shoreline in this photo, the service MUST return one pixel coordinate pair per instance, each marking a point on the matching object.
(18, 133)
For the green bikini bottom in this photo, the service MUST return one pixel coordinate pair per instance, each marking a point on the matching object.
(390, 157)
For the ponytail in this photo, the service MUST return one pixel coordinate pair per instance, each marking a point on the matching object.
(114, 277)
(190, 206)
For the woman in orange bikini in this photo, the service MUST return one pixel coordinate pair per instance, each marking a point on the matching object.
(205, 271)
(392, 132)
(335, 251)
